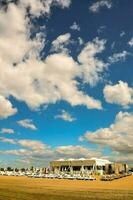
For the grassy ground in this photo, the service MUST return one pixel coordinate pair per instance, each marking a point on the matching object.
(15, 188)
(66, 195)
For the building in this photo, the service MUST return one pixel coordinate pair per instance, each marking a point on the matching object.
(82, 166)
(116, 168)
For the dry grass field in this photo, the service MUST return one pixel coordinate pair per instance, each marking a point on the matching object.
(23, 188)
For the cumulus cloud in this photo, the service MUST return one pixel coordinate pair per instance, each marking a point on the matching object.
(75, 27)
(118, 136)
(122, 33)
(7, 140)
(18, 32)
(98, 5)
(13, 33)
(91, 66)
(62, 84)
(27, 123)
(113, 45)
(65, 116)
(18, 152)
(118, 157)
(130, 42)
(38, 81)
(44, 83)
(80, 40)
(7, 130)
(61, 41)
(63, 3)
(29, 144)
(6, 108)
(38, 7)
(76, 152)
(116, 57)
(37, 149)
(32, 144)
(120, 94)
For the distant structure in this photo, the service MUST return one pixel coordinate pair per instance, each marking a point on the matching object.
(116, 168)
(82, 166)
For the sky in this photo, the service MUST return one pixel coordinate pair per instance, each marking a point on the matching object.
(66, 81)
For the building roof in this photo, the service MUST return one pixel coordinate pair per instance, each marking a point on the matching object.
(80, 161)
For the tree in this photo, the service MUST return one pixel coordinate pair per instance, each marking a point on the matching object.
(32, 168)
(16, 169)
(23, 170)
(9, 169)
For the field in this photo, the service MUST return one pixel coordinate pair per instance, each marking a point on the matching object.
(23, 188)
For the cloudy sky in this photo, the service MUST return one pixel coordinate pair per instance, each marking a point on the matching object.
(66, 80)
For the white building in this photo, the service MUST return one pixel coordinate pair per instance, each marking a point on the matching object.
(82, 166)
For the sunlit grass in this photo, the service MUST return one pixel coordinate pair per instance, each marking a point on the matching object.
(15, 188)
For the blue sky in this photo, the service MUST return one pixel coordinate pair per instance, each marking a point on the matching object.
(66, 86)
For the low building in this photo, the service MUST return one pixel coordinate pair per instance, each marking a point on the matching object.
(116, 168)
(82, 166)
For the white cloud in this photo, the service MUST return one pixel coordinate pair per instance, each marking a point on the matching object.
(120, 94)
(75, 27)
(27, 123)
(6, 108)
(32, 144)
(38, 7)
(113, 45)
(40, 82)
(131, 42)
(46, 82)
(13, 35)
(37, 149)
(76, 151)
(7, 140)
(18, 152)
(116, 57)
(80, 40)
(98, 5)
(65, 116)
(63, 3)
(127, 158)
(118, 136)
(61, 71)
(7, 130)
(91, 66)
(122, 33)
(61, 41)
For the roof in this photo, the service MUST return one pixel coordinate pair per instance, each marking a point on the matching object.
(79, 162)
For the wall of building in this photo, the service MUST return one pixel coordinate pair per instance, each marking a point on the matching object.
(116, 168)
(83, 167)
